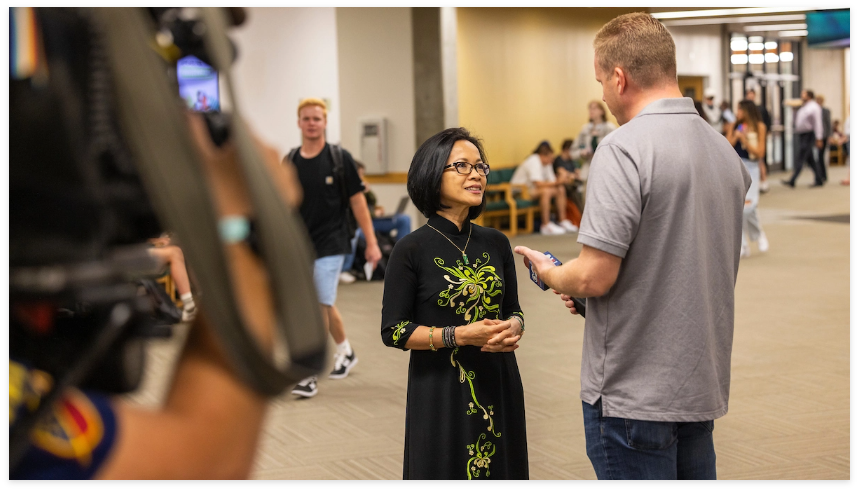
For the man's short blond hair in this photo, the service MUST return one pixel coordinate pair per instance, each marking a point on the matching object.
(312, 101)
(641, 46)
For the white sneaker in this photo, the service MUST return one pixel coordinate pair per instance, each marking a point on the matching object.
(569, 227)
(764, 187)
(306, 388)
(552, 228)
(745, 251)
(763, 243)
(347, 277)
(343, 363)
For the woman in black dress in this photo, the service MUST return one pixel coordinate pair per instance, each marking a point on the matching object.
(450, 297)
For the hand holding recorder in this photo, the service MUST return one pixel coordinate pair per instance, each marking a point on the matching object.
(538, 264)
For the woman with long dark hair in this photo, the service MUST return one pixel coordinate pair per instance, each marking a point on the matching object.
(748, 135)
(451, 298)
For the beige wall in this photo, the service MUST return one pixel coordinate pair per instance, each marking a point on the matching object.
(376, 71)
(823, 71)
(376, 78)
(285, 55)
(526, 74)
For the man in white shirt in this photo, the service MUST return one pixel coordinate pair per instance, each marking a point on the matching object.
(809, 129)
(536, 172)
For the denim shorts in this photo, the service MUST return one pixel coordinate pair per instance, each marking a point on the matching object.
(326, 275)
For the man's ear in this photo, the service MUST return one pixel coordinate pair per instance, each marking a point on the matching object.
(621, 83)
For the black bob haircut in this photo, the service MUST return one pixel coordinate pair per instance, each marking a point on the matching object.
(424, 181)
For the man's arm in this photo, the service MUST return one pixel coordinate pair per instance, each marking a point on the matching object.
(362, 215)
(592, 274)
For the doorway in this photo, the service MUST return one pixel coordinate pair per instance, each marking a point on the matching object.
(692, 87)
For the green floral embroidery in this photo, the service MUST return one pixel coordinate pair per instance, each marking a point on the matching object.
(481, 460)
(471, 289)
(466, 376)
(399, 329)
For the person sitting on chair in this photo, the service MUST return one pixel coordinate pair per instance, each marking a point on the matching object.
(170, 254)
(536, 172)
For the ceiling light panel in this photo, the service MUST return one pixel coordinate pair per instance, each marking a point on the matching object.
(723, 12)
(775, 27)
(736, 20)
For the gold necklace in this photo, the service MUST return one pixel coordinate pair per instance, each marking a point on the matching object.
(464, 255)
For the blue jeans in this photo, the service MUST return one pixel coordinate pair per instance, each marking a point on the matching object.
(632, 449)
(401, 223)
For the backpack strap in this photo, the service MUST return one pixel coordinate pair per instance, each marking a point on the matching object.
(340, 172)
(292, 153)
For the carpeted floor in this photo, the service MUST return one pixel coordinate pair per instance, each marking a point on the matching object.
(789, 414)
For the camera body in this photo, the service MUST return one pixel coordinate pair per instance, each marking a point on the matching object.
(78, 208)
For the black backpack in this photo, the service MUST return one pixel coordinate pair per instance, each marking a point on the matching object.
(340, 173)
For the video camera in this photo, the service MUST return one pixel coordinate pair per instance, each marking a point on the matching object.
(96, 164)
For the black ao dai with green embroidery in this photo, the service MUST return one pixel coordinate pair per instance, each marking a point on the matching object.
(465, 409)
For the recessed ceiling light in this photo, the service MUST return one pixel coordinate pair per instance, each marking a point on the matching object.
(721, 12)
(774, 27)
(735, 20)
(789, 34)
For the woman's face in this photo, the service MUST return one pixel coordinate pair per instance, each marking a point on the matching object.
(595, 113)
(741, 115)
(458, 190)
(546, 158)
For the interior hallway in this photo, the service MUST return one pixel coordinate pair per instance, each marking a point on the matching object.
(789, 414)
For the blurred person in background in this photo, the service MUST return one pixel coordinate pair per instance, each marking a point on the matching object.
(767, 120)
(748, 137)
(712, 111)
(327, 195)
(700, 108)
(727, 117)
(568, 172)
(661, 236)
(592, 133)
(172, 255)
(399, 223)
(808, 127)
(823, 152)
(845, 144)
(536, 172)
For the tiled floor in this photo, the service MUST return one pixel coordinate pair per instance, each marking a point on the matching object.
(790, 411)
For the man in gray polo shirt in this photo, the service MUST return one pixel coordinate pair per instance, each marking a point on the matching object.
(660, 237)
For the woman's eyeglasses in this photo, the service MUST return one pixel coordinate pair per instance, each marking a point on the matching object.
(465, 168)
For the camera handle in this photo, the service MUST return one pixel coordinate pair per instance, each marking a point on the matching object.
(161, 141)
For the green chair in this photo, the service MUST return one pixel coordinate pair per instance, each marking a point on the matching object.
(505, 202)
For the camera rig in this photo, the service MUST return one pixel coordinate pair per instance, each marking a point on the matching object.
(101, 158)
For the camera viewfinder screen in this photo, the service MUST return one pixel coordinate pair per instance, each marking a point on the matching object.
(198, 84)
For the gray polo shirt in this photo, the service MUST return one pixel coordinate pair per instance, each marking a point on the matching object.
(666, 194)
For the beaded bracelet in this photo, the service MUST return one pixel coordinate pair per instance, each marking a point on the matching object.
(430, 333)
(449, 337)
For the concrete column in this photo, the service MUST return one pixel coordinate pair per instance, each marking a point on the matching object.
(429, 95)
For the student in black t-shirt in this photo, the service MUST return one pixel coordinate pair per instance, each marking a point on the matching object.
(324, 214)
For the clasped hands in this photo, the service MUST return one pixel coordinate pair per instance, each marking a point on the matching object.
(494, 335)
